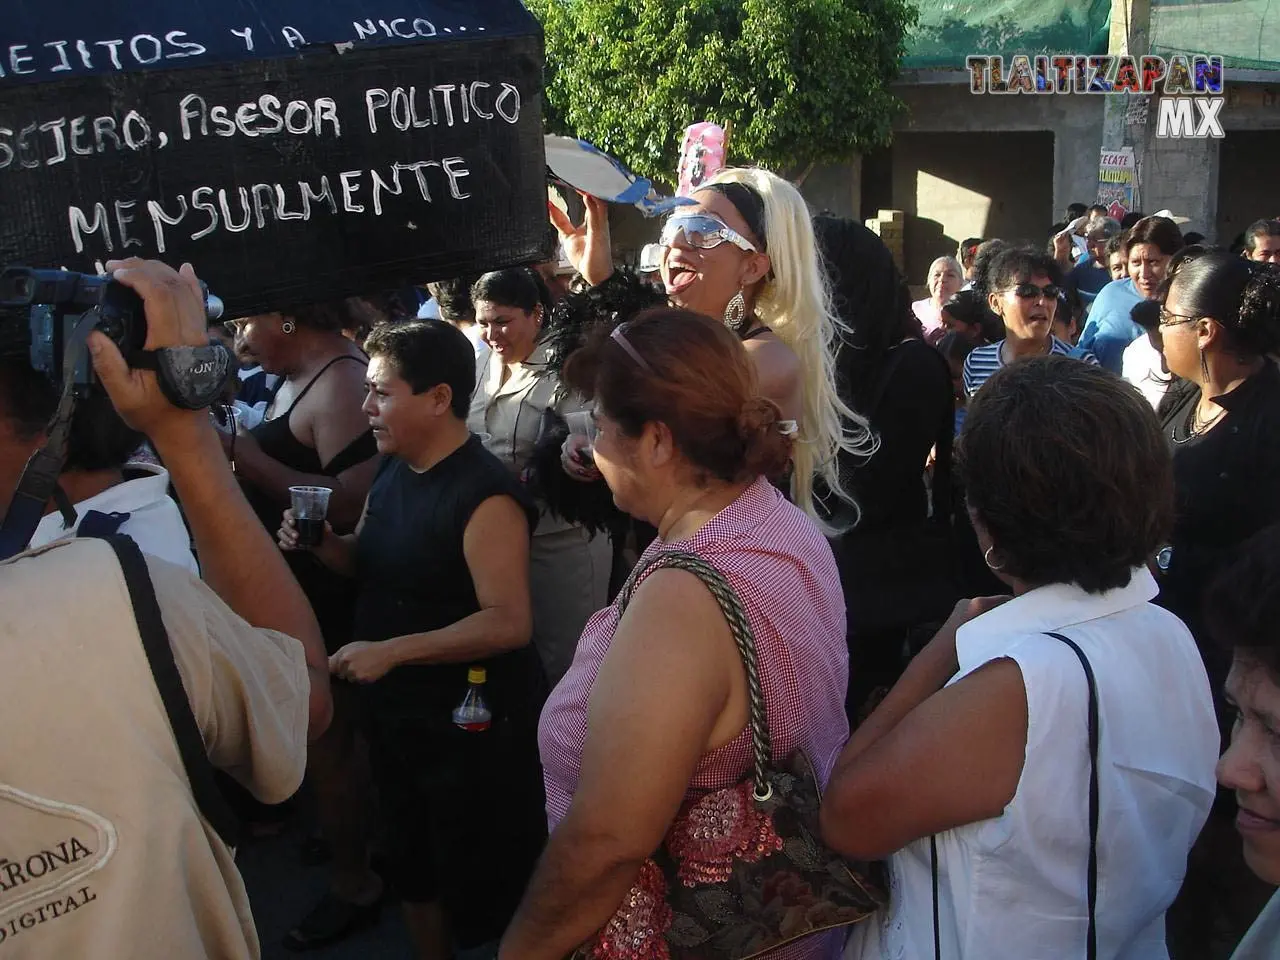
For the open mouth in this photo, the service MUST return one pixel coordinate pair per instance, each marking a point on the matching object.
(680, 277)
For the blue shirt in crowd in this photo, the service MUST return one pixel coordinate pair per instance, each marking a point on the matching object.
(1111, 328)
(982, 362)
(1087, 279)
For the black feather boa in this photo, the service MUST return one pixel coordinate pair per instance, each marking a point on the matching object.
(619, 298)
(591, 505)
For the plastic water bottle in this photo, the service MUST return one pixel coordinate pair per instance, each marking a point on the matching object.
(473, 713)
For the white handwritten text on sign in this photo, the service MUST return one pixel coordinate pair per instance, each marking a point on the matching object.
(53, 58)
(205, 210)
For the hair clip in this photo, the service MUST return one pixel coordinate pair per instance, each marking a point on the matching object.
(622, 341)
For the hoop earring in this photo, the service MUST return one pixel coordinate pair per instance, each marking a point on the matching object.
(287, 327)
(986, 557)
(736, 311)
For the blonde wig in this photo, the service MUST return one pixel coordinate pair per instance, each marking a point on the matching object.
(795, 302)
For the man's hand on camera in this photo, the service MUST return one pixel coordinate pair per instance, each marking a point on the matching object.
(175, 317)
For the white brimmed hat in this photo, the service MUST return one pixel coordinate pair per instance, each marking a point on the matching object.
(651, 258)
(1169, 215)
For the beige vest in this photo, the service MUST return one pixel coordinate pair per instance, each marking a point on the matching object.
(103, 852)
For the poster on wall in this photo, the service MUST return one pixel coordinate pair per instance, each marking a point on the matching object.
(291, 151)
(1117, 181)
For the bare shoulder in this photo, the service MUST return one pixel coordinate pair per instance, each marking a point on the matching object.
(341, 381)
(778, 373)
(333, 407)
(499, 514)
(673, 584)
(774, 360)
(769, 347)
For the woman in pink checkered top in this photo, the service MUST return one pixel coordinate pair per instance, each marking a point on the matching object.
(653, 710)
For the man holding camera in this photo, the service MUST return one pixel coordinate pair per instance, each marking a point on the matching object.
(101, 488)
(106, 848)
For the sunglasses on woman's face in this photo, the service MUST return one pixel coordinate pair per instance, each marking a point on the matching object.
(1029, 291)
(703, 231)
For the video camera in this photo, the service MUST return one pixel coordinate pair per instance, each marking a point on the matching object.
(42, 308)
(48, 314)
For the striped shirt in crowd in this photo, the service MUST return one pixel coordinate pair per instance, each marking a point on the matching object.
(984, 361)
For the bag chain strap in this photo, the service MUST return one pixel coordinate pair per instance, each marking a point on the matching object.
(743, 636)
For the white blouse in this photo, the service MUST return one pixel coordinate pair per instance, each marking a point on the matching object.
(1014, 887)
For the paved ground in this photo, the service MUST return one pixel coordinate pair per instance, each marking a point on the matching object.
(282, 890)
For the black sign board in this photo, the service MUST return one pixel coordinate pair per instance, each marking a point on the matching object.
(303, 151)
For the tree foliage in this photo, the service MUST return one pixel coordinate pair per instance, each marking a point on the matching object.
(801, 81)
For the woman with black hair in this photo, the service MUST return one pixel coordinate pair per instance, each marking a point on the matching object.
(314, 434)
(519, 401)
(1219, 323)
(1023, 289)
(895, 556)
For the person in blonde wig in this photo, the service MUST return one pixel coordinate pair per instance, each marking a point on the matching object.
(744, 252)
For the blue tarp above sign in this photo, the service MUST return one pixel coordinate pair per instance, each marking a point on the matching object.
(43, 41)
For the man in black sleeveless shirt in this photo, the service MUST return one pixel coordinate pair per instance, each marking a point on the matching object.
(442, 560)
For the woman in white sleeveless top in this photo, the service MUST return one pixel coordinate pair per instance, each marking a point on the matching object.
(984, 744)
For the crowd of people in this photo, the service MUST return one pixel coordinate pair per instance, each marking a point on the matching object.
(1007, 556)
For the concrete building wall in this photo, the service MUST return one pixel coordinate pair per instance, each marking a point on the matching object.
(981, 184)
(1217, 182)
(1074, 121)
(836, 189)
(1181, 176)
(1248, 188)
(1247, 185)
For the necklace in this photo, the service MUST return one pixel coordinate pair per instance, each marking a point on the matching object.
(1196, 427)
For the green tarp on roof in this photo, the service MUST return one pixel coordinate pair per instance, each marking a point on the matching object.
(950, 30)
(1245, 32)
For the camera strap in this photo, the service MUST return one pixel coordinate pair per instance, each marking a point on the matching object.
(173, 694)
(40, 476)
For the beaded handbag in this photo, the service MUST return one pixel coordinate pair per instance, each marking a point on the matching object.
(742, 870)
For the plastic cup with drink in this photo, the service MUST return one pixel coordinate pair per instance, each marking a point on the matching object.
(583, 424)
(310, 506)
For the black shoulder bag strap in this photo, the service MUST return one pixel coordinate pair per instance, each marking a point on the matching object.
(1094, 804)
(1094, 801)
(164, 670)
